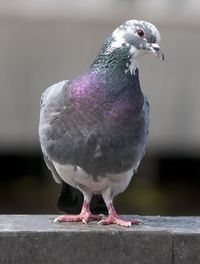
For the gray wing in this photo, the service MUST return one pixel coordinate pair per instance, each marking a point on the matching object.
(145, 111)
(51, 167)
(45, 98)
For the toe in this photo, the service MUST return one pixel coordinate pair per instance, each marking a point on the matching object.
(67, 218)
(118, 221)
(122, 222)
(58, 219)
(106, 221)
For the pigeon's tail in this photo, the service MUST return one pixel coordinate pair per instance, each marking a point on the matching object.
(70, 201)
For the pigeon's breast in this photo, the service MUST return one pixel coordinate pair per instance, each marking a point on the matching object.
(87, 127)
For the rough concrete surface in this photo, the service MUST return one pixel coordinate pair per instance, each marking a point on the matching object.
(36, 239)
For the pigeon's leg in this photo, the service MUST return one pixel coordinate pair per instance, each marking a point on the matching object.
(84, 216)
(112, 217)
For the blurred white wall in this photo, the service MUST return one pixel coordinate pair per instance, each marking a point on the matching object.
(42, 42)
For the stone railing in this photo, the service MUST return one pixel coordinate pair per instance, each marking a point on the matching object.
(36, 239)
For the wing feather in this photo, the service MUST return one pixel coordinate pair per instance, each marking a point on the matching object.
(45, 98)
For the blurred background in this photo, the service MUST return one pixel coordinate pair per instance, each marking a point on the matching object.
(43, 42)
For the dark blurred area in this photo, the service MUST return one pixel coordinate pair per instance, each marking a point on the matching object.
(164, 185)
(41, 45)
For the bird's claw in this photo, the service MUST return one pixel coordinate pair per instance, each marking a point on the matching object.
(84, 221)
(58, 219)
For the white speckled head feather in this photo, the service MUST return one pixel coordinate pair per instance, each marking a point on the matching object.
(140, 37)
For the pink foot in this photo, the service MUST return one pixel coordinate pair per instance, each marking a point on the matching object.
(113, 218)
(70, 218)
(85, 216)
(118, 221)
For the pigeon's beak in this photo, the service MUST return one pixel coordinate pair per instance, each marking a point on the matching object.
(155, 49)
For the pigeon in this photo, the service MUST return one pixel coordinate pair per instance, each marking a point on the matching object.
(93, 130)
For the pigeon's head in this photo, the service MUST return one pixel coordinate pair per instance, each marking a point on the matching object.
(140, 37)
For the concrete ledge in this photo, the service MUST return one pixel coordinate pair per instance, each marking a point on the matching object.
(36, 239)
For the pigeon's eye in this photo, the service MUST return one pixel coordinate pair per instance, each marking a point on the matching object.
(140, 33)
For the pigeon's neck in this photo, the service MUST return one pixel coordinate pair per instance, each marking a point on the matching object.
(119, 70)
(109, 85)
